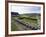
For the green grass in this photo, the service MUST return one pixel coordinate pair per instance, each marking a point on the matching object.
(31, 19)
(13, 25)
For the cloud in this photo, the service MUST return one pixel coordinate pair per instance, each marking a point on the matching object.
(26, 9)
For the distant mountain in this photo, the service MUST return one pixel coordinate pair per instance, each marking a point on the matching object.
(32, 14)
(29, 14)
(14, 13)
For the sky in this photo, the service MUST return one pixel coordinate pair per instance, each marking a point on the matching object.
(25, 9)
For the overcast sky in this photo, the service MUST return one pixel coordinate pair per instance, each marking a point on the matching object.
(25, 9)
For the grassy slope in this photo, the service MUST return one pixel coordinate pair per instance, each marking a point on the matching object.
(31, 19)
